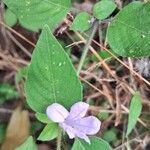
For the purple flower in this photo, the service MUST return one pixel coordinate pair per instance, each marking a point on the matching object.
(74, 122)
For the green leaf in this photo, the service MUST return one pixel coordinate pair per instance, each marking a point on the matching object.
(96, 144)
(27, 145)
(7, 92)
(129, 35)
(43, 118)
(103, 115)
(50, 132)
(103, 9)
(33, 14)
(10, 18)
(22, 73)
(110, 135)
(51, 76)
(103, 54)
(81, 22)
(134, 113)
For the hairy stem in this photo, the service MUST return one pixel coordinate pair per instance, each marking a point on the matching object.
(100, 33)
(59, 139)
(86, 48)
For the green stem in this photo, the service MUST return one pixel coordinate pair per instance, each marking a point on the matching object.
(100, 33)
(59, 139)
(86, 48)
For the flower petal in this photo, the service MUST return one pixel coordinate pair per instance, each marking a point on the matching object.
(70, 131)
(88, 125)
(83, 136)
(57, 113)
(78, 110)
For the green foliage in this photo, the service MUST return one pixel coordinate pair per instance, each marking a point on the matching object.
(27, 145)
(103, 55)
(7, 92)
(110, 135)
(43, 118)
(33, 14)
(81, 22)
(50, 132)
(129, 33)
(103, 115)
(10, 18)
(51, 76)
(103, 9)
(96, 144)
(135, 111)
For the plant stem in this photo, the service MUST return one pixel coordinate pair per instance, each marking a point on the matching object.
(86, 48)
(100, 33)
(59, 139)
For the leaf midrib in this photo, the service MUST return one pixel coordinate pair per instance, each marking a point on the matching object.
(50, 69)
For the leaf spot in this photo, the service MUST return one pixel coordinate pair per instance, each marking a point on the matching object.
(131, 51)
(143, 36)
(60, 64)
(46, 68)
(27, 3)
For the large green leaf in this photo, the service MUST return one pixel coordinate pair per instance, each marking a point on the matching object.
(51, 76)
(27, 145)
(33, 14)
(129, 33)
(134, 113)
(96, 144)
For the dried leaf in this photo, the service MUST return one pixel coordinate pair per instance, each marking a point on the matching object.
(17, 130)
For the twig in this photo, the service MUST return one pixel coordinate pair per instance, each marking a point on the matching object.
(106, 66)
(19, 44)
(134, 72)
(93, 86)
(18, 34)
(132, 140)
(118, 106)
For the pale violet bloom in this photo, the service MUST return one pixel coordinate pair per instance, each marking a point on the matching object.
(74, 123)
